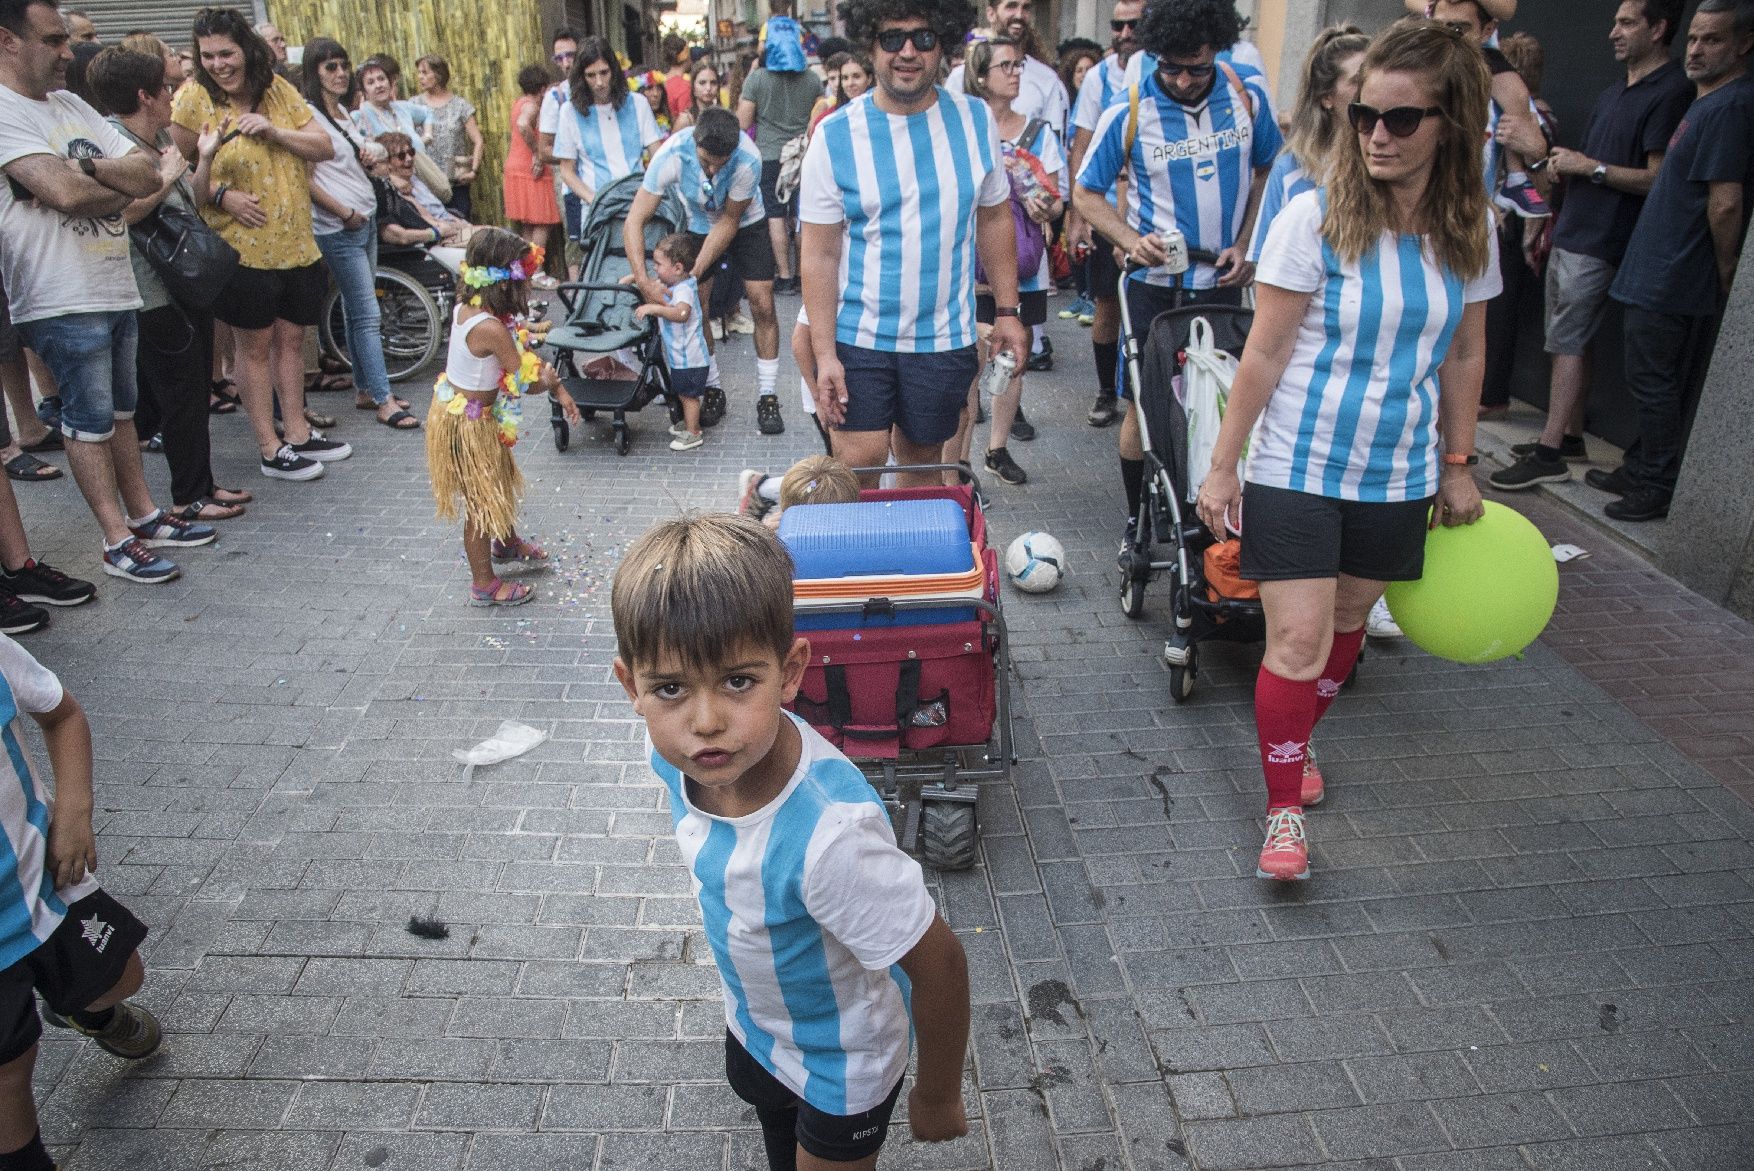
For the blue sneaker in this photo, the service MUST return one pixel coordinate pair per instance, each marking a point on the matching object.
(163, 529)
(1524, 200)
(134, 561)
(1078, 305)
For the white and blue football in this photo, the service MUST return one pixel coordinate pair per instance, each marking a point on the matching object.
(1034, 563)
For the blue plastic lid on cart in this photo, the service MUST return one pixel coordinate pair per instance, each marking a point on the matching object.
(876, 537)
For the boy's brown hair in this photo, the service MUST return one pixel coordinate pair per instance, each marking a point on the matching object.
(819, 479)
(702, 589)
(680, 247)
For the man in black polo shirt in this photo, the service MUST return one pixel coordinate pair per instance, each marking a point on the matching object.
(1606, 182)
(1682, 260)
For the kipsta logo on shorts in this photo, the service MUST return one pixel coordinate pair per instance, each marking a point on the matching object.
(96, 932)
(1290, 752)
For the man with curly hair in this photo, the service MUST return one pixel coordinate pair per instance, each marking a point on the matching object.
(898, 195)
(1195, 141)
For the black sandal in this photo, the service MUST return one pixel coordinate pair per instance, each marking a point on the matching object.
(401, 421)
(197, 511)
(220, 400)
(27, 467)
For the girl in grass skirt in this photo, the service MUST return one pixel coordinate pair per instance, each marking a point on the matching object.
(475, 410)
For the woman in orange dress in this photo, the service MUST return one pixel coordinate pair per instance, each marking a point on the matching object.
(529, 186)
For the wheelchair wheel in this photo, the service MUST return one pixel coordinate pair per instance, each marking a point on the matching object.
(413, 325)
(948, 831)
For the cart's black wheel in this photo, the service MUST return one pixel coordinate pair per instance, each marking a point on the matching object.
(562, 435)
(948, 831)
(1181, 679)
(1132, 595)
(623, 441)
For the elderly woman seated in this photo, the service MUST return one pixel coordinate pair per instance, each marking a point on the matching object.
(408, 211)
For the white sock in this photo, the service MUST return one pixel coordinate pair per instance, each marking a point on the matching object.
(1516, 179)
(135, 522)
(767, 372)
(712, 372)
(1035, 346)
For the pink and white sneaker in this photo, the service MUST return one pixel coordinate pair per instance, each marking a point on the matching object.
(1285, 854)
(1313, 789)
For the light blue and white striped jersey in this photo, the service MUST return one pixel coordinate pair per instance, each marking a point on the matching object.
(809, 907)
(685, 341)
(907, 188)
(607, 142)
(1104, 84)
(1285, 180)
(1190, 167)
(30, 906)
(1354, 416)
(676, 167)
(1046, 147)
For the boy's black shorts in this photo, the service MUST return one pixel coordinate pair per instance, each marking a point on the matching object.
(836, 1138)
(81, 961)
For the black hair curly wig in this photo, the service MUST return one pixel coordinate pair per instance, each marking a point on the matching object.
(1181, 28)
(950, 19)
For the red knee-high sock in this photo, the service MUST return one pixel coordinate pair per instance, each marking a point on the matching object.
(1285, 711)
(1333, 676)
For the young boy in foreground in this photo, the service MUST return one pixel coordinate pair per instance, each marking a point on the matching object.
(821, 926)
(61, 936)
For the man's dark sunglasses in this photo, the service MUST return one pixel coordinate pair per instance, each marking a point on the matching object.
(1123, 25)
(1197, 72)
(890, 40)
(1402, 121)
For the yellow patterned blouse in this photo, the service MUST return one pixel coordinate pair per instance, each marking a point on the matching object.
(277, 177)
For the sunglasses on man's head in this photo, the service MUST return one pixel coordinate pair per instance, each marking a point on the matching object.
(1402, 121)
(892, 39)
(1123, 25)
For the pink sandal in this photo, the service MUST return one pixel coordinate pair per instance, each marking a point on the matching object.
(519, 550)
(501, 593)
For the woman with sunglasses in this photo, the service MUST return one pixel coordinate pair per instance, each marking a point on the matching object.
(1364, 369)
(344, 216)
(252, 139)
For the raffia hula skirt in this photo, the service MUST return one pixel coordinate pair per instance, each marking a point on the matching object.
(473, 473)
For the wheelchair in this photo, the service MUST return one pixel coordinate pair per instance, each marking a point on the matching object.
(415, 297)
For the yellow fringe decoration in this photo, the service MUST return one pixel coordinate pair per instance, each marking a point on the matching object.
(468, 463)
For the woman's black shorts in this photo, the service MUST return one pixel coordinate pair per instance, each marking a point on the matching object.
(256, 298)
(1288, 536)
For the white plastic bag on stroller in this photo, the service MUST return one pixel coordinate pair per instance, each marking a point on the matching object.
(1205, 388)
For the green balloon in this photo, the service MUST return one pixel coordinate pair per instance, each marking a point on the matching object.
(1489, 589)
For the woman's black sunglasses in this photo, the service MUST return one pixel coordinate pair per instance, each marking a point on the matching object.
(1402, 121)
(890, 40)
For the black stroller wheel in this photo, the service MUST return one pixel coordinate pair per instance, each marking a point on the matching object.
(562, 435)
(1182, 677)
(948, 832)
(623, 440)
(1132, 595)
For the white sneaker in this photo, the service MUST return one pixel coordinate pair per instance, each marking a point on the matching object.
(678, 430)
(687, 441)
(1381, 624)
(740, 323)
(718, 328)
(545, 282)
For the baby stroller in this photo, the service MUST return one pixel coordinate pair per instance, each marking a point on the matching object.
(1200, 612)
(598, 318)
(909, 659)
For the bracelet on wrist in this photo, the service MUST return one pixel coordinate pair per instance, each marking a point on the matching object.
(218, 199)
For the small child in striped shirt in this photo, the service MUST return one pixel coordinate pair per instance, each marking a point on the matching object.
(684, 333)
(829, 948)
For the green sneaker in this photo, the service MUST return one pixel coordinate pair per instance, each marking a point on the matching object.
(132, 1033)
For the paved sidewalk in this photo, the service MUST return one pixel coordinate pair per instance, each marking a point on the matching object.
(1527, 944)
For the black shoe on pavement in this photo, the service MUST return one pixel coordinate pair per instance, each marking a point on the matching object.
(712, 406)
(767, 415)
(36, 582)
(787, 285)
(321, 448)
(1528, 471)
(1044, 360)
(1617, 481)
(287, 464)
(1000, 463)
(1639, 504)
(1571, 449)
(1103, 412)
(1022, 429)
(18, 617)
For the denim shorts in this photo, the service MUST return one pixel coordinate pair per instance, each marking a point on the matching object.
(923, 394)
(91, 356)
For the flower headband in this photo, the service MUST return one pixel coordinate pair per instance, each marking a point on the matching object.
(479, 276)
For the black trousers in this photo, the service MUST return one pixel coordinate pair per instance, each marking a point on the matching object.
(1657, 367)
(172, 365)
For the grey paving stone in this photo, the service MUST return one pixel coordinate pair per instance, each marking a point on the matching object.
(1500, 1120)
(1628, 1108)
(1396, 1129)
(1280, 1140)
(479, 1107)
(353, 1105)
(402, 1152)
(1405, 1077)
(599, 1108)
(1289, 1089)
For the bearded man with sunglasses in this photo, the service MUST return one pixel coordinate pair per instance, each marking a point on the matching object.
(899, 192)
(1194, 142)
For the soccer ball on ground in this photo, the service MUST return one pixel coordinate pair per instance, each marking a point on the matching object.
(1034, 563)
